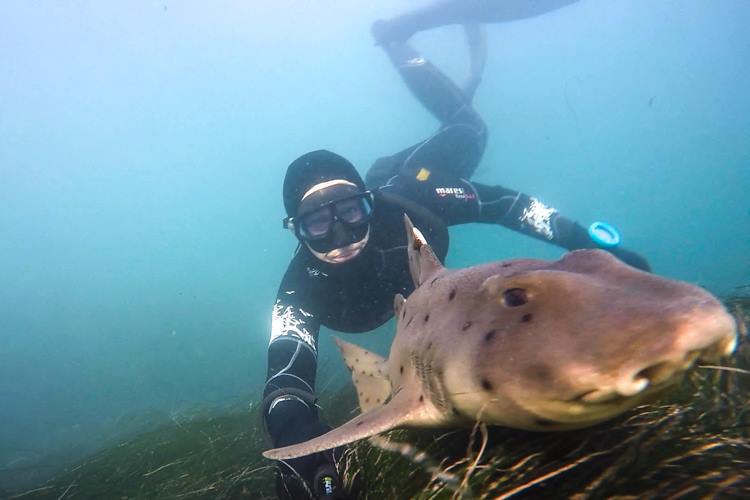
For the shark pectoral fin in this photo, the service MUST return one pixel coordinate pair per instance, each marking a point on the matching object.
(369, 374)
(423, 263)
(402, 409)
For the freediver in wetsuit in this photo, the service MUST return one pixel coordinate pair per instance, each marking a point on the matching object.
(352, 258)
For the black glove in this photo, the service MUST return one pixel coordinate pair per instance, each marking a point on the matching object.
(631, 258)
(327, 483)
(311, 476)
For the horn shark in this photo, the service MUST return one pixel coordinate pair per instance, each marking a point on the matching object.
(527, 344)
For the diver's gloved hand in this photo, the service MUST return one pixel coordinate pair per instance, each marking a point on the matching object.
(571, 235)
(312, 476)
(631, 258)
(328, 484)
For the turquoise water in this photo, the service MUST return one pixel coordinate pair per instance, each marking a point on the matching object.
(143, 146)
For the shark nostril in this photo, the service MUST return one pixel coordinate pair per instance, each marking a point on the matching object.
(515, 297)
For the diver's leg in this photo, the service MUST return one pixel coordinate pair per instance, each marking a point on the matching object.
(457, 146)
(477, 42)
(437, 93)
(387, 167)
(453, 151)
(459, 143)
(447, 12)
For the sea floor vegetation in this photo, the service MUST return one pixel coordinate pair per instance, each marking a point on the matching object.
(695, 443)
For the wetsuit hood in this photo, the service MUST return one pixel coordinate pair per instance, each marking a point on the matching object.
(313, 168)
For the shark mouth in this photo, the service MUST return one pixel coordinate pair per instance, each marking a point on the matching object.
(602, 403)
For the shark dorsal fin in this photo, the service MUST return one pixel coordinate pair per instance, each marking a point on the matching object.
(423, 263)
(369, 374)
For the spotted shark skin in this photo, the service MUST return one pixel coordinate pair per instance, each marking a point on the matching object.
(527, 344)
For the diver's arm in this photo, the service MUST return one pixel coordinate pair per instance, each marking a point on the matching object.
(528, 215)
(292, 358)
(290, 413)
(448, 12)
(459, 201)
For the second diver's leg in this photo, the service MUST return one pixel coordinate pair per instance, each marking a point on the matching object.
(446, 12)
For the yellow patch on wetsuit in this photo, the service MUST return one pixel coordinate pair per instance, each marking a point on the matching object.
(423, 174)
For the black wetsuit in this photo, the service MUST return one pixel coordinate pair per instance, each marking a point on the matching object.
(429, 182)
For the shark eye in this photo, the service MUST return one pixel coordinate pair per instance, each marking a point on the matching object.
(515, 297)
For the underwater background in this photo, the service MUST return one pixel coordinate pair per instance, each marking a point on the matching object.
(143, 146)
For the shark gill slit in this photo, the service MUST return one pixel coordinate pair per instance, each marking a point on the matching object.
(430, 381)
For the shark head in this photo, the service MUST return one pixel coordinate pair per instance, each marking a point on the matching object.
(570, 343)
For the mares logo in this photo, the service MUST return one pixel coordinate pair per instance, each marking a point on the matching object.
(457, 192)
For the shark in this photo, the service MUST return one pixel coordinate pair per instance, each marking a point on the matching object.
(528, 344)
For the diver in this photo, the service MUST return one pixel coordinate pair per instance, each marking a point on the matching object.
(352, 260)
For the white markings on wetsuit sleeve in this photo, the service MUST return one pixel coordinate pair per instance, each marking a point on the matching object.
(286, 322)
(538, 216)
